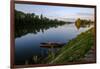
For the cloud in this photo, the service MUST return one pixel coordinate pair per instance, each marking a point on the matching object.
(86, 14)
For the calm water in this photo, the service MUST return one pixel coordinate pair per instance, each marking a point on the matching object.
(28, 45)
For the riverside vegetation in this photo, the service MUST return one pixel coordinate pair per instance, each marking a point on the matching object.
(75, 49)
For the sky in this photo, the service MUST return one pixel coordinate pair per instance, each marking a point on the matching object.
(57, 12)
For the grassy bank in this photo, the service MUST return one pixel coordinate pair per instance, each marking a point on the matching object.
(75, 49)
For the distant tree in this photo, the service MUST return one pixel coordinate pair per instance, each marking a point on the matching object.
(41, 17)
(78, 23)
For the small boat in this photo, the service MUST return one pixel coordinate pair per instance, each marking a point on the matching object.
(52, 44)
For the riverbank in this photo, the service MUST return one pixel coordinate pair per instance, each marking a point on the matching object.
(78, 49)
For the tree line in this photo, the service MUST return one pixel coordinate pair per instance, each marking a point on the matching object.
(30, 22)
(33, 19)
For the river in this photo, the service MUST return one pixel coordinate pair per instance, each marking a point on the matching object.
(28, 45)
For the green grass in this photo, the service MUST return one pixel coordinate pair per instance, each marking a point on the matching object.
(74, 49)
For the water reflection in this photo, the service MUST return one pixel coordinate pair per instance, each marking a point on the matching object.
(83, 23)
(22, 30)
(29, 38)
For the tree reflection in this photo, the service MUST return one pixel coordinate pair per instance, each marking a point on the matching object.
(83, 23)
(31, 23)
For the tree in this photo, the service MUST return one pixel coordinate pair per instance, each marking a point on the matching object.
(78, 23)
